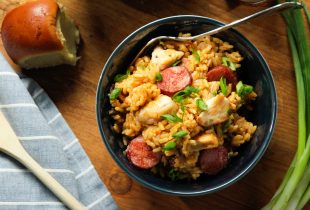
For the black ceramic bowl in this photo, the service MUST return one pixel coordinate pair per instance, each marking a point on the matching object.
(254, 71)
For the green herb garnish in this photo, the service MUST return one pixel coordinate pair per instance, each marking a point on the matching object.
(176, 63)
(184, 93)
(227, 62)
(195, 54)
(115, 93)
(174, 175)
(169, 146)
(179, 134)
(158, 77)
(243, 89)
(120, 77)
(201, 104)
(223, 85)
(171, 118)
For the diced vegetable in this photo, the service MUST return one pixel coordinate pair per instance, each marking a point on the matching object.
(115, 93)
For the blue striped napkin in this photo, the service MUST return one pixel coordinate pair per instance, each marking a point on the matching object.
(47, 137)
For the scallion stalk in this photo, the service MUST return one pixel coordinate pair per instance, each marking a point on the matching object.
(294, 191)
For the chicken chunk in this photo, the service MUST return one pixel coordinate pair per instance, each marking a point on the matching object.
(207, 140)
(153, 110)
(217, 111)
(165, 58)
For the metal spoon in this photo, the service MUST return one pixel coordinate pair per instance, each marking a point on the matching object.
(9, 144)
(278, 7)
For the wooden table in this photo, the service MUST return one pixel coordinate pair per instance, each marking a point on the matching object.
(103, 25)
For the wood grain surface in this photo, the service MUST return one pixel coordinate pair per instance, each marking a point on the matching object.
(103, 25)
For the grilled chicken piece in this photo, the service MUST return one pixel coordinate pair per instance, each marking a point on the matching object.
(217, 111)
(153, 110)
(165, 58)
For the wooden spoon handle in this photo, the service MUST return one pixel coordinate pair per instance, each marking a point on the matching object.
(9, 144)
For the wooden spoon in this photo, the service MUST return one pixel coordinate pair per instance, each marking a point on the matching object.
(9, 144)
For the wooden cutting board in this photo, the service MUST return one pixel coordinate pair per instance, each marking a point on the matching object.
(103, 25)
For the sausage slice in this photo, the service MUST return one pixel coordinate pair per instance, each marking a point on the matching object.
(213, 160)
(141, 155)
(174, 79)
(217, 72)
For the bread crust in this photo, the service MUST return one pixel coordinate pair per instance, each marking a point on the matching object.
(30, 29)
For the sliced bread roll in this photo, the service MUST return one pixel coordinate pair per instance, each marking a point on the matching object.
(38, 34)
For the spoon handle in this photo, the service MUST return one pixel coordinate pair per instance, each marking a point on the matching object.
(277, 7)
(9, 144)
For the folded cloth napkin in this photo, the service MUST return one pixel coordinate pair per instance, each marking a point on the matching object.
(47, 137)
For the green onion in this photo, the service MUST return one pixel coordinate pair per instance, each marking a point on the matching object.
(179, 134)
(223, 85)
(239, 88)
(243, 89)
(115, 93)
(190, 89)
(171, 118)
(182, 106)
(161, 43)
(184, 93)
(158, 77)
(227, 62)
(214, 93)
(176, 63)
(247, 89)
(196, 54)
(294, 191)
(120, 77)
(201, 104)
(170, 146)
(173, 175)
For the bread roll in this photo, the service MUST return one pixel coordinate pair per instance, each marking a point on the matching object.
(39, 34)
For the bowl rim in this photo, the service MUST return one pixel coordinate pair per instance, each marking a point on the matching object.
(262, 148)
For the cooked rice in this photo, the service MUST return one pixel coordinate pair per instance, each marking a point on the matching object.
(140, 88)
